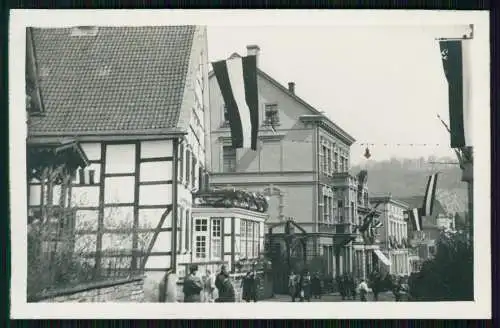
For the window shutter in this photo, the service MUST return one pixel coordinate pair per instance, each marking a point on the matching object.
(193, 172)
(181, 162)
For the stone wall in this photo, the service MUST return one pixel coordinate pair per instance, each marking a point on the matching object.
(125, 290)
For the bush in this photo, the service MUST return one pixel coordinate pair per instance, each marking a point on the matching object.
(449, 275)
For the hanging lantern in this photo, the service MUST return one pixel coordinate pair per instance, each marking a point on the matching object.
(367, 153)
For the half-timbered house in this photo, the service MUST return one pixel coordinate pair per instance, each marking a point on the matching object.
(135, 99)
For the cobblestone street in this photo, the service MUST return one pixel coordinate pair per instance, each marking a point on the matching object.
(334, 297)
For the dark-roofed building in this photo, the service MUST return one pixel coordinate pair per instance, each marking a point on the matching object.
(136, 100)
(424, 241)
(393, 234)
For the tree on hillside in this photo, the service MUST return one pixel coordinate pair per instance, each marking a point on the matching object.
(449, 275)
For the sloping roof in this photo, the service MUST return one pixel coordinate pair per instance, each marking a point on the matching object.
(296, 98)
(121, 79)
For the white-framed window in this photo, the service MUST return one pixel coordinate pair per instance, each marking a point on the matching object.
(201, 234)
(201, 247)
(325, 208)
(271, 114)
(216, 238)
(228, 159)
(249, 239)
(188, 167)
(328, 161)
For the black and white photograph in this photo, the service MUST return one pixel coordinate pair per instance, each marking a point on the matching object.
(253, 158)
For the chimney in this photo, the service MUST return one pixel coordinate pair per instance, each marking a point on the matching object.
(253, 50)
(291, 87)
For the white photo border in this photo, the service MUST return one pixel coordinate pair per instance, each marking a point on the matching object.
(20, 309)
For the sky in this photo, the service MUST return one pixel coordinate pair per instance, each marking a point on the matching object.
(383, 85)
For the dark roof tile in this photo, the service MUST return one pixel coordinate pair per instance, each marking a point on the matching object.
(124, 78)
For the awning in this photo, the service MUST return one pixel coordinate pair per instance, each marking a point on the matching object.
(382, 257)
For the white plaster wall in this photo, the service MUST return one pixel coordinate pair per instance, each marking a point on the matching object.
(156, 148)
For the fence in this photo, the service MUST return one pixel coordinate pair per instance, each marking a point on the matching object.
(54, 262)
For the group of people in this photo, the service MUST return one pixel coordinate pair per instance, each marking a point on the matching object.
(218, 287)
(304, 286)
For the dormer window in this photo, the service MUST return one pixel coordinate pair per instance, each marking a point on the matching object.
(84, 31)
(271, 114)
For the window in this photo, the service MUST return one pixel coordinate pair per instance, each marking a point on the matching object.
(353, 214)
(336, 161)
(329, 161)
(216, 236)
(187, 236)
(249, 239)
(325, 208)
(324, 164)
(201, 247)
(193, 172)
(229, 159)
(200, 225)
(188, 167)
(180, 213)
(225, 115)
(181, 162)
(271, 115)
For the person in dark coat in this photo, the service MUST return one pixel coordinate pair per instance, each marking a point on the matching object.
(219, 279)
(340, 286)
(249, 285)
(352, 286)
(316, 285)
(376, 282)
(305, 287)
(226, 292)
(293, 286)
(397, 289)
(192, 286)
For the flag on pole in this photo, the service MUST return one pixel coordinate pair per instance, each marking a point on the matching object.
(415, 218)
(368, 219)
(430, 195)
(456, 63)
(237, 79)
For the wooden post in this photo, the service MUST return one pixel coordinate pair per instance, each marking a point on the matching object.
(173, 259)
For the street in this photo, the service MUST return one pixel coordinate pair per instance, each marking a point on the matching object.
(334, 297)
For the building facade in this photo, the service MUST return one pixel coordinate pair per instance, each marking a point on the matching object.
(424, 242)
(141, 124)
(302, 166)
(394, 234)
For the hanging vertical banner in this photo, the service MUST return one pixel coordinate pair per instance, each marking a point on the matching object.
(456, 56)
(237, 79)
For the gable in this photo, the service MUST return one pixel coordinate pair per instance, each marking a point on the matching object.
(118, 80)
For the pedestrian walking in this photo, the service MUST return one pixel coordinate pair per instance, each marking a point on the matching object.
(363, 290)
(293, 283)
(250, 286)
(208, 287)
(219, 279)
(397, 289)
(305, 286)
(340, 285)
(376, 280)
(352, 286)
(316, 285)
(227, 293)
(192, 286)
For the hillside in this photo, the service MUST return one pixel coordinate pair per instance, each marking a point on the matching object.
(408, 177)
